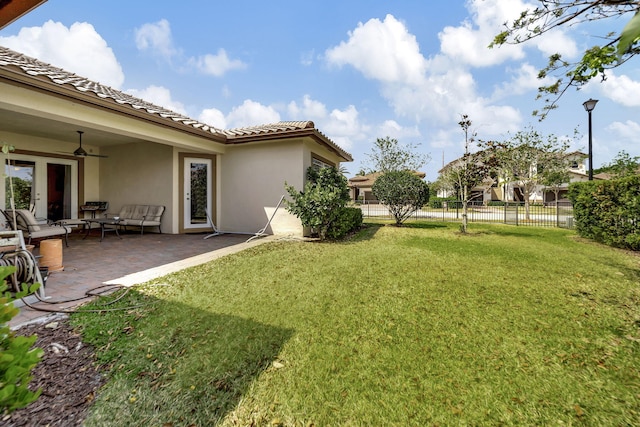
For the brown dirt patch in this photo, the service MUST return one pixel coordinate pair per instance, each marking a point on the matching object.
(67, 375)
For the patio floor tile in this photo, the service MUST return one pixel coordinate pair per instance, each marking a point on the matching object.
(89, 263)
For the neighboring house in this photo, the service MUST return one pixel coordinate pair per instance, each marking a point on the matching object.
(150, 155)
(494, 189)
(361, 186)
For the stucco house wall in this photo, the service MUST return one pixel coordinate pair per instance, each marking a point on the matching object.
(253, 177)
(141, 173)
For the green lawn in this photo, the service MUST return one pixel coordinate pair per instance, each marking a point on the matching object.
(417, 325)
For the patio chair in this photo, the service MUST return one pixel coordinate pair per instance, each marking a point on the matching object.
(32, 228)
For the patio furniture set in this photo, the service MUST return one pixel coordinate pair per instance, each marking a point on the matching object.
(129, 216)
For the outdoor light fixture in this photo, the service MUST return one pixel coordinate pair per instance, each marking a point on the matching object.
(589, 106)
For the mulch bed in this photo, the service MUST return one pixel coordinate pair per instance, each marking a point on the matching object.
(67, 375)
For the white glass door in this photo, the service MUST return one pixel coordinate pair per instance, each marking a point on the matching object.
(198, 181)
(46, 186)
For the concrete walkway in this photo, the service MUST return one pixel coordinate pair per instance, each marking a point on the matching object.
(90, 264)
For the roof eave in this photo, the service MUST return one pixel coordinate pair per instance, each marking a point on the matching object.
(13, 10)
(295, 133)
(92, 99)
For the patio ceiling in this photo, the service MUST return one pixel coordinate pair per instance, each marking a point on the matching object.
(39, 127)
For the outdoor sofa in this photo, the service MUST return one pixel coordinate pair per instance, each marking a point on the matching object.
(139, 216)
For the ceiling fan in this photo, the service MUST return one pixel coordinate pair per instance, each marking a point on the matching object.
(81, 152)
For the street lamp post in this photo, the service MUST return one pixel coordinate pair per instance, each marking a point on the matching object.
(589, 106)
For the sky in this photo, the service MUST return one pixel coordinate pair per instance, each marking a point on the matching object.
(359, 69)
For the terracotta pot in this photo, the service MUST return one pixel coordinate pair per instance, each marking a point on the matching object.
(51, 254)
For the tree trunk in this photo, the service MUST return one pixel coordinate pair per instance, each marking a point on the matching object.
(465, 199)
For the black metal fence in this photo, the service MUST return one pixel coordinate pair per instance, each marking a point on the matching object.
(514, 213)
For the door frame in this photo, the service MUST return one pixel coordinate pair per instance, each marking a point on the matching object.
(212, 192)
(41, 180)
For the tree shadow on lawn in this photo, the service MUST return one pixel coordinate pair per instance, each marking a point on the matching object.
(173, 364)
(424, 225)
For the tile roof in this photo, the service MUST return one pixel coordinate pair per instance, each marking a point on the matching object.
(279, 129)
(270, 128)
(33, 67)
(25, 65)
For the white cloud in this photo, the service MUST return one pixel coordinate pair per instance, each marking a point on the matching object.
(156, 38)
(557, 41)
(159, 96)
(381, 50)
(79, 49)
(217, 65)
(344, 127)
(252, 113)
(213, 117)
(622, 90)
(393, 129)
(469, 42)
(523, 80)
(306, 58)
(629, 130)
(436, 90)
(309, 110)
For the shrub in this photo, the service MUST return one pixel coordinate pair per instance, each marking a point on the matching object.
(321, 202)
(17, 358)
(402, 192)
(349, 219)
(608, 211)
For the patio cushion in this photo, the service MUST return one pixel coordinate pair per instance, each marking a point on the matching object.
(25, 220)
(141, 216)
(127, 211)
(154, 214)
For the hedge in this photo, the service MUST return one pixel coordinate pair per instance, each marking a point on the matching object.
(608, 211)
(349, 219)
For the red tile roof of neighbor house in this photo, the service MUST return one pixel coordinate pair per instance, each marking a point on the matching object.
(369, 179)
(22, 68)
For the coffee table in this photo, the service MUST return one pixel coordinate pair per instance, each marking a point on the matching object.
(103, 223)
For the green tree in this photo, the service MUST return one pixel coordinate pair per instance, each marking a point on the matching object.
(322, 201)
(470, 171)
(524, 158)
(555, 174)
(402, 192)
(617, 47)
(389, 155)
(622, 166)
(21, 191)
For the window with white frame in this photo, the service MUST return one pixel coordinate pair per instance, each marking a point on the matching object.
(318, 164)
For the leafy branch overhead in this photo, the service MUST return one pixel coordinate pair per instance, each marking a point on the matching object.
(618, 47)
(387, 155)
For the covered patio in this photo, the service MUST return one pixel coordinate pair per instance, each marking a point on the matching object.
(89, 263)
